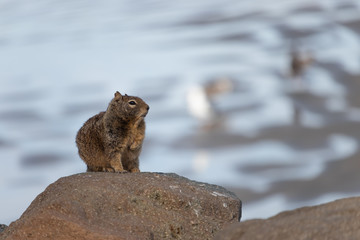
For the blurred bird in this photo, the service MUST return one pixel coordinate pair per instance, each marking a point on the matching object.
(299, 62)
(199, 105)
(200, 99)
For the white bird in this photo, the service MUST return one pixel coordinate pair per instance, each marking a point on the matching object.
(200, 99)
(199, 104)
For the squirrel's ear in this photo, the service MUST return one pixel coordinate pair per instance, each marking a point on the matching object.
(126, 95)
(117, 95)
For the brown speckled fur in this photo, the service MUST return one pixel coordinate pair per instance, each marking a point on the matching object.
(111, 141)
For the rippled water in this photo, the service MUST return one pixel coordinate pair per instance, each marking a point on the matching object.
(279, 143)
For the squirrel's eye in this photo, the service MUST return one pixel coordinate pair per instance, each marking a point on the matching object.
(132, 102)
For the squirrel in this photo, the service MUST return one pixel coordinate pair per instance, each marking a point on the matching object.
(111, 141)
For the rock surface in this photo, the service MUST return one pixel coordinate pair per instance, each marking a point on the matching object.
(126, 206)
(334, 220)
(2, 227)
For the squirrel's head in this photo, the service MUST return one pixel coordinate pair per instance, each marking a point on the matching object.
(128, 107)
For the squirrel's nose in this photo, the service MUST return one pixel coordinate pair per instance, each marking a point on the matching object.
(147, 108)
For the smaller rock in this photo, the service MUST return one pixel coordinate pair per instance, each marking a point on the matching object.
(334, 220)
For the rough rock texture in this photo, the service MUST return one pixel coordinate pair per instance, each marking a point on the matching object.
(335, 220)
(2, 227)
(126, 206)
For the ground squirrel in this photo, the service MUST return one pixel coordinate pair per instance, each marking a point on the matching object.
(111, 141)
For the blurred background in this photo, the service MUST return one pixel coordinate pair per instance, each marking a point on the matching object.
(259, 97)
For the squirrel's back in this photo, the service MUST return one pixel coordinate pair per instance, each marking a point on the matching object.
(89, 140)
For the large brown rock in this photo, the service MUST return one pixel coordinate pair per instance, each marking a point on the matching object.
(335, 220)
(126, 206)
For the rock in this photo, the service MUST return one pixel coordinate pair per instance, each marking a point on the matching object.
(126, 206)
(334, 220)
(2, 227)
